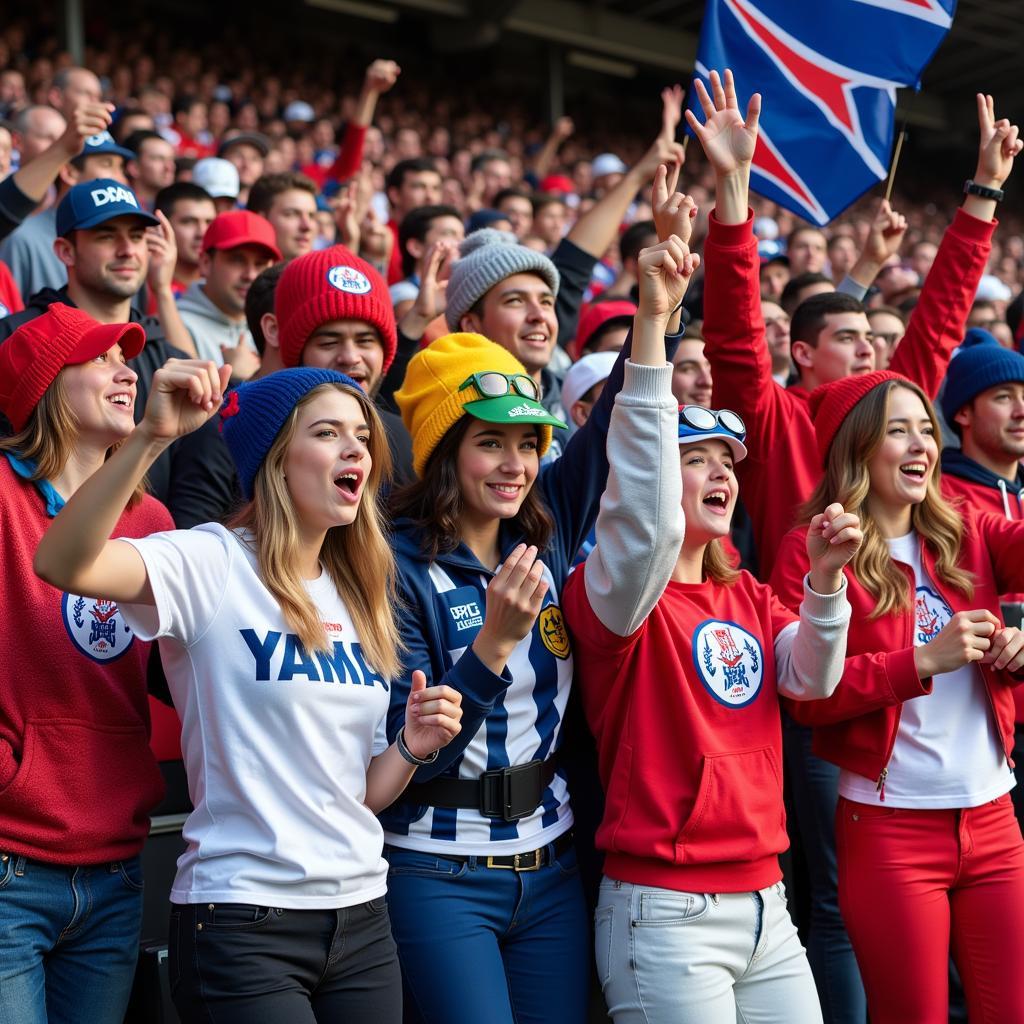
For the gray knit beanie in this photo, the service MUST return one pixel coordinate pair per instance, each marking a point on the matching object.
(488, 256)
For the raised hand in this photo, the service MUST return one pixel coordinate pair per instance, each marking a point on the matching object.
(346, 215)
(672, 97)
(163, 254)
(662, 151)
(965, 638)
(432, 297)
(242, 360)
(433, 716)
(381, 75)
(885, 234)
(86, 119)
(564, 127)
(514, 599)
(727, 138)
(674, 213)
(833, 538)
(998, 144)
(663, 274)
(185, 393)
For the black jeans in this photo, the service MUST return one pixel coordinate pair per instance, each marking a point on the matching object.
(235, 963)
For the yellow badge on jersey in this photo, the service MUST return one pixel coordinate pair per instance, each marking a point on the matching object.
(553, 631)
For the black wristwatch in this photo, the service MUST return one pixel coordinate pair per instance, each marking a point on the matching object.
(409, 755)
(973, 189)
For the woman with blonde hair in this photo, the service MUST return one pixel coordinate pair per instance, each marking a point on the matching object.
(280, 647)
(77, 777)
(921, 726)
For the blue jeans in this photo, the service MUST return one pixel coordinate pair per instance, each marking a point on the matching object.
(814, 785)
(486, 944)
(69, 940)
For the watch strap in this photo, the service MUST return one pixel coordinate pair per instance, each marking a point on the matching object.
(409, 755)
(971, 188)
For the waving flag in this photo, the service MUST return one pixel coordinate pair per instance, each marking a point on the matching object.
(828, 73)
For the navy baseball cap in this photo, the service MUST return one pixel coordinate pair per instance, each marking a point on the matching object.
(103, 142)
(90, 203)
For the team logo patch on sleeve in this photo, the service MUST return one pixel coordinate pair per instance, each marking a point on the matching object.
(553, 631)
(729, 661)
(931, 613)
(348, 279)
(96, 627)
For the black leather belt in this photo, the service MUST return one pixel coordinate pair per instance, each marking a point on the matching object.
(534, 860)
(506, 793)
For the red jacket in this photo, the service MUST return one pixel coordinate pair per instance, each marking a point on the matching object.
(690, 756)
(782, 467)
(77, 776)
(856, 727)
(983, 498)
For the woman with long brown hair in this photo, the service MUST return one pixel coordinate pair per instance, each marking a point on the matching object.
(280, 647)
(921, 727)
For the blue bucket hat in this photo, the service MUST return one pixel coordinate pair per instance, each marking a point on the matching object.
(91, 203)
(254, 413)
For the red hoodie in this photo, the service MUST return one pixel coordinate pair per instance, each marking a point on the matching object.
(689, 747)
(856, 727)
(984, 498)
(782, 467)
(77, 776)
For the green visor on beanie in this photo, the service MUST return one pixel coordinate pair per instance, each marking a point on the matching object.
(511, 409)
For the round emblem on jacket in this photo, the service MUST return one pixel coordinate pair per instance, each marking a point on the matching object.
(729, 661)
(348, 279)
(96, 627)
(553, 631)
(931, 613)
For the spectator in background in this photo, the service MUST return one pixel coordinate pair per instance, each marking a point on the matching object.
(888, 325)
(190, 211)
(288, 201)
(219, 179)
(606, 171)
(603, 327)
(420, 229)
(490, 173)
(842, 255)
(800, 287)
(36, 128)
(774, 277)
(236, 248)
(72, 86)
(262, 321)
(131, 120)
(806, 250)
(636, 237)
(922, 256)
(776, 335)
(190, 127)
(248, 152)
(6, 148)
(549, 219)
(692, 383)
(152, 167)
(410, 183)
(515, 204)
(12, 91)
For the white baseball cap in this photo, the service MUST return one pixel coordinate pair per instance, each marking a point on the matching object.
(584, 374)
(607, 163)
(219, 177)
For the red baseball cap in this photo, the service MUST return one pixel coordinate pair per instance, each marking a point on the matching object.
(557, 183)
(36, 352)
(596, 315)
(241, 227)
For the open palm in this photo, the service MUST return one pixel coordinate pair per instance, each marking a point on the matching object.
(727, 138)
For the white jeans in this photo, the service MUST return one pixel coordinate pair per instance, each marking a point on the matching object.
(668, 957)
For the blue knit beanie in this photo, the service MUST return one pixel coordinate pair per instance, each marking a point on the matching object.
(254, 413)
(980, 364)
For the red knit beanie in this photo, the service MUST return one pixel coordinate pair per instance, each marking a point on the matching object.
(831, 403)
(332, 284)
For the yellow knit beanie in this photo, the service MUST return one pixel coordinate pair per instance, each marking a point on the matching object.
(430, 400)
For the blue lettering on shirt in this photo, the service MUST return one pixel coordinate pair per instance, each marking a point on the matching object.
(345, 664)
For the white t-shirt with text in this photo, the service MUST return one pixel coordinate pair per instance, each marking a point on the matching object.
(276, 741)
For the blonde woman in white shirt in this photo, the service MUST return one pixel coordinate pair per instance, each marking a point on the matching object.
(279, 645)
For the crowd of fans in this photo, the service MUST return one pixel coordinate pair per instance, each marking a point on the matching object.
(397, 258)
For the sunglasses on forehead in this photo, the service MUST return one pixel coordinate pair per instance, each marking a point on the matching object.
(492, 384)
(696, 417)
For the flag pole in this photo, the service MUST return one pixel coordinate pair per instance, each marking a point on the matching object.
(895, 162)
(686, 142)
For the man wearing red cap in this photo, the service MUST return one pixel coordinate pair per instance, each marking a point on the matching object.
(333, 311)
(237, 247)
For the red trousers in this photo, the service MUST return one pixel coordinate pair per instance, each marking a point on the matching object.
(915, 883)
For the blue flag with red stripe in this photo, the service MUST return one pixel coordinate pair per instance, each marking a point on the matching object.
(828, 72)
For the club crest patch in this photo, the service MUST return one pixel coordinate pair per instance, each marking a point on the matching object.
(553, 631)
(931, 613)
(348, 279)
(729, 662)
(96, 627)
